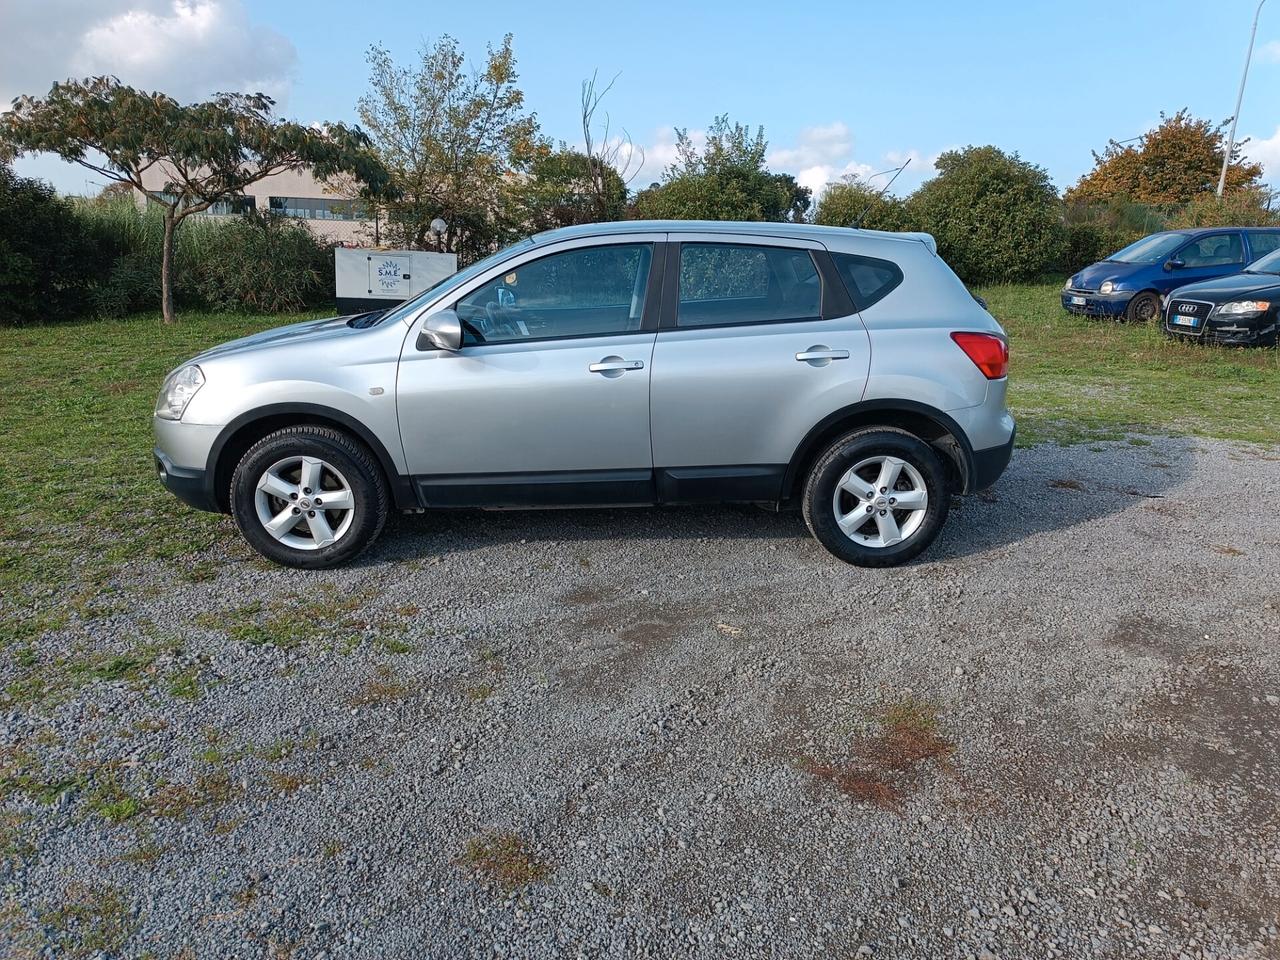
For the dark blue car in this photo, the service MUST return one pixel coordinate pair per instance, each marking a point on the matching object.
(1131, 283)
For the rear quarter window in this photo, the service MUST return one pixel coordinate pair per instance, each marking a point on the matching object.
(868, 279)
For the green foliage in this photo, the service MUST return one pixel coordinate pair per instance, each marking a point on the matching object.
(854, 202)
(996, 217)
(1250, 207)
(560, 191)
(448, 137)
(728, 180)
(209, 151)
(261, 263)
(44, 252)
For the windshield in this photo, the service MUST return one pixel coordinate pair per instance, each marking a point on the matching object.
(1152, 249)
(1268, 264)
(409, 307)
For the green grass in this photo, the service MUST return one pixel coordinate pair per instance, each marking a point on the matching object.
(82, 503)
(1073, 379)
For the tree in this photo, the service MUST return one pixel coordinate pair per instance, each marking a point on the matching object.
(996, 217)
(563, 188)
(854, 202)
(612, 161)
(208, 151)
(449, 138)
(727, 180)
(1174, 163)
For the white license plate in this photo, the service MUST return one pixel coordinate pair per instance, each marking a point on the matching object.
(1077, 301)
(1184, 321)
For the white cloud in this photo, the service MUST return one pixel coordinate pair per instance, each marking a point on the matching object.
(1269, 52)
(1266, 151)
(186, 48)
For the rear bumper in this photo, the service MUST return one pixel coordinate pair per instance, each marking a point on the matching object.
(188, 485)
(1095, 304)
(988, 464)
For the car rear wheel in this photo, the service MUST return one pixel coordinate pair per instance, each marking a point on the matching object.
(877, 497)
(1144, 308)
(309, 497)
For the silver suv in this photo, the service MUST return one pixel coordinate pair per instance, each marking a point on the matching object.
(621, 363)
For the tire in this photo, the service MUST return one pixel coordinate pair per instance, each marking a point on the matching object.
(347, 473)
(920, 469)
(1143, 308)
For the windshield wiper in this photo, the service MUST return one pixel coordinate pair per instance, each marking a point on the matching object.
(362, 320)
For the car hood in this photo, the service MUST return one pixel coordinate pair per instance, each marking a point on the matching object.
(293, 333)
(1222, 289)
(1091, 277)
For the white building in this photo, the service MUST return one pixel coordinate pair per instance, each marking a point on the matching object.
(331, 215)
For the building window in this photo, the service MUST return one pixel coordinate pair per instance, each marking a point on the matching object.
(231, 207)
(317, 208)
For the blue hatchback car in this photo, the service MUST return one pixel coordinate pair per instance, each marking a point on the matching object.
(1131, 283)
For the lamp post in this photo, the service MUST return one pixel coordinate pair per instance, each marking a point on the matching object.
(1231, 139)
(438, 228)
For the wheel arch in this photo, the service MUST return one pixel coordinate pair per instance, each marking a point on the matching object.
(928, 423)
(235, 439)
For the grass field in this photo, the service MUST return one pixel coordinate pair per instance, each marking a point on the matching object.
(80, 500)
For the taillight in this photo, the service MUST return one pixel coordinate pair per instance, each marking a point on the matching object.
(988, 352)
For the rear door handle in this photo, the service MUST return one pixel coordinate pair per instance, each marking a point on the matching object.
(615, 365)
(820, 353)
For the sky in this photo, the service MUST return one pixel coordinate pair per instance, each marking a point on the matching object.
(839, 87)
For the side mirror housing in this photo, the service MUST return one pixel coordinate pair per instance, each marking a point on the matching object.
(1174, 263)
(442, 330)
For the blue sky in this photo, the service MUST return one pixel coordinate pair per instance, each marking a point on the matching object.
(839, 87)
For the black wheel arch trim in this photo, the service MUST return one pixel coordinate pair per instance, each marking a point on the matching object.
(402, 489)
(809, 446)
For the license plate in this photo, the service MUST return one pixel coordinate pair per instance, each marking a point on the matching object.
(1077, 301)
(1184, 321)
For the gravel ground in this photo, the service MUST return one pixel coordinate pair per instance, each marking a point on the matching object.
(682, 733)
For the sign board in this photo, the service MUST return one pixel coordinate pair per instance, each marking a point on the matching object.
(374, 279)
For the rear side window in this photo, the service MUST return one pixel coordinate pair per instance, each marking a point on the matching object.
(731, 283)
(1261, 243)
(869, 279)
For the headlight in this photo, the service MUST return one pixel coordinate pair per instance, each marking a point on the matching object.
(1107, 287)
(1067, 285)
(177, 392)
(1237, 307)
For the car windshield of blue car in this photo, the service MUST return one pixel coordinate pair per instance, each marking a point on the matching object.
(1152, 249)
(1268, 264)
(409, 307)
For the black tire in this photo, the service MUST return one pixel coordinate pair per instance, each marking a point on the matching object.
(819, 505)
(344, 456)
(1143, 308)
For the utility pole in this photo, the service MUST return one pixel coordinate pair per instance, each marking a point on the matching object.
(1231, 139)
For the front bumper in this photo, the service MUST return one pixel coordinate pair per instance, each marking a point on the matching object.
(1096, 304)
(189, 485)
(1235, 332)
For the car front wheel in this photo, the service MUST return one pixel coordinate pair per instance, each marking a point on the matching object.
(877, 498)
(1143, 308)
(309, 497)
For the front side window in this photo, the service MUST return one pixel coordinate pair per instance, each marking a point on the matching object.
(1215, 250)
(732, 283)
(590, 291)
(1263, 242)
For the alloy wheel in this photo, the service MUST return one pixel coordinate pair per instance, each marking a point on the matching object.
(880, 501)
(304, 502)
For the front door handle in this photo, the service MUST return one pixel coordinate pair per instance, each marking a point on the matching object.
(820, 355)
(615, 366)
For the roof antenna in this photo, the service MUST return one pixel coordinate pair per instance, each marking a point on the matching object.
(857, 222)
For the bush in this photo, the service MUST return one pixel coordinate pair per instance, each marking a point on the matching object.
(1240, 208)
(261, 263)
(851, 201)
(46, 264)
(996, 217)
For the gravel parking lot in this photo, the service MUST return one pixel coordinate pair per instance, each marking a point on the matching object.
(680, 732)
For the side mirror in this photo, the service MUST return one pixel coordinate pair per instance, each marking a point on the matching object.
(441, 331)
(1174, 263)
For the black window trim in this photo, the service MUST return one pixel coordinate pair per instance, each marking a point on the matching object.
(652, 294)
(833, 299)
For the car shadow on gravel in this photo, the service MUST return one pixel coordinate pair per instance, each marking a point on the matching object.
(1045, 488)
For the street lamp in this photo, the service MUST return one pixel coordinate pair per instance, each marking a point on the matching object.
(438, 227)
(1231, 139)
